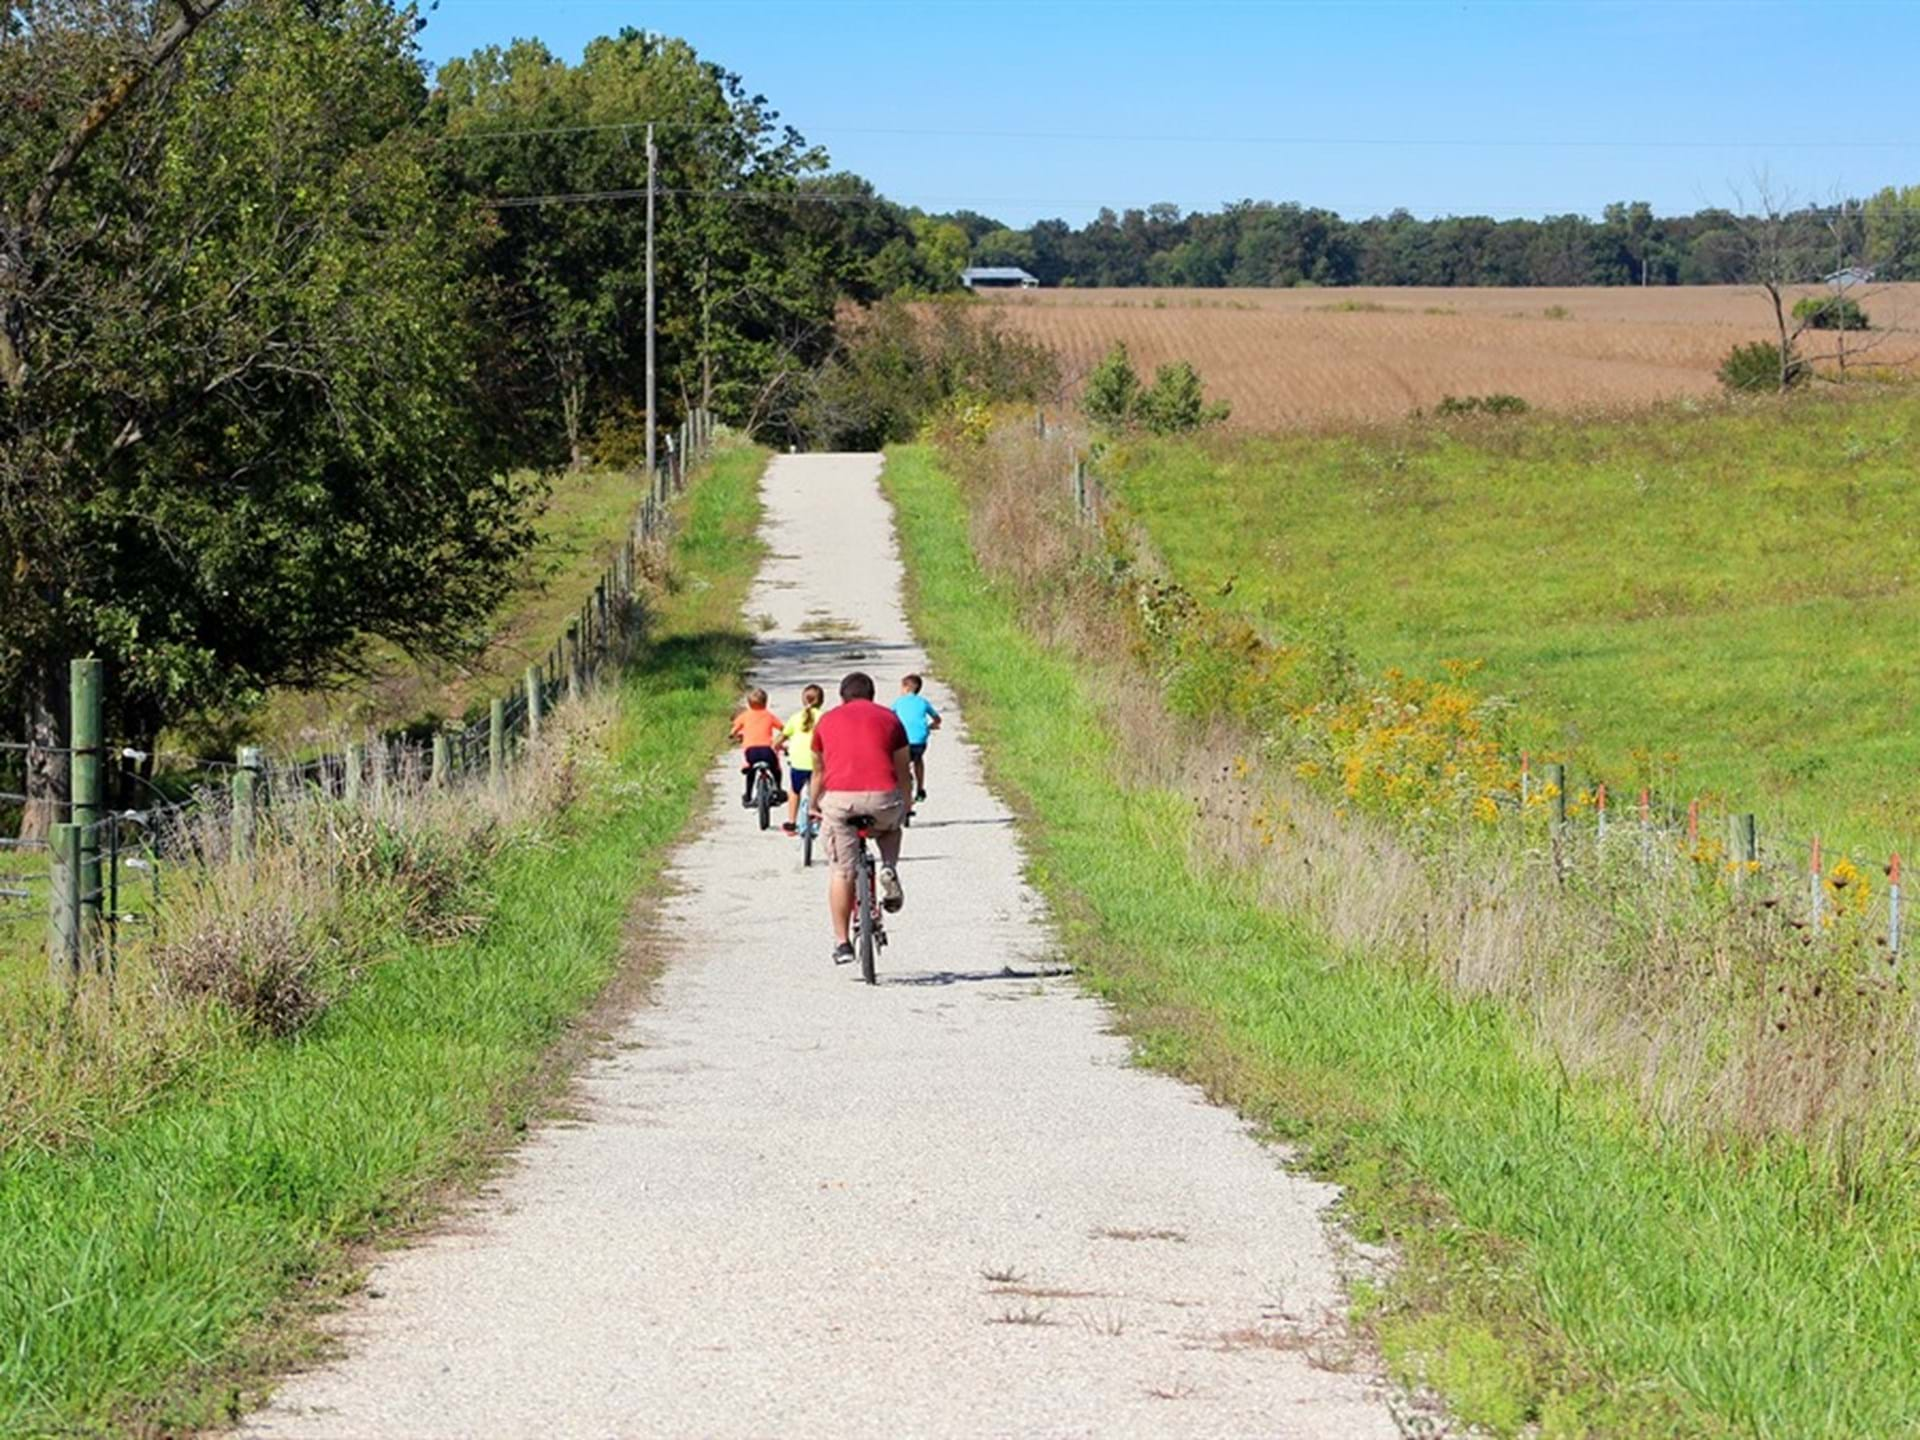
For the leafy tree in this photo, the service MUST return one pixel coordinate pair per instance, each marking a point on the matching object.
(749, 263)
(244, 436)
(1113, 389)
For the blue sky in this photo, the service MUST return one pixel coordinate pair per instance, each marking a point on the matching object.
(1030, 110)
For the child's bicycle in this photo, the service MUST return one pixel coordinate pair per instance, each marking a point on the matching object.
(809, 827)
(869, 934)
(766, 791)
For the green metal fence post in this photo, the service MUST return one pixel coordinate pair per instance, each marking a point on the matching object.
(246, 777)
(89, 780)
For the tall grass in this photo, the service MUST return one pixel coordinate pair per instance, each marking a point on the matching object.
(146, 1273)
(1569, 1264)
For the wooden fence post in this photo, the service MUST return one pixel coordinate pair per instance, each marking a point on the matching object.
(534, 702)
(442, 773)
(88, 810)
(1557, 777)
(246, 777)
(573, 660)
(356, 770)
(497, 744)
(66, 930)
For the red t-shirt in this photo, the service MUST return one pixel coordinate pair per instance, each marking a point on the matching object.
(856, 741)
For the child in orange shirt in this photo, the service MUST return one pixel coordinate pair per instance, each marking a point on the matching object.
(758, 731)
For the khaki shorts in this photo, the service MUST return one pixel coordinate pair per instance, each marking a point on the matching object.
(842, 839)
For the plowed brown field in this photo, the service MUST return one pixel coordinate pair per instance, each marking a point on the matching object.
(1304, 357)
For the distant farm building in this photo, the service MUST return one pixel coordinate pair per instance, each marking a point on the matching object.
(1852, 275)
(998, 277)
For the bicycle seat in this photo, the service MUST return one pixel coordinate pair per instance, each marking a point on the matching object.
(860, 822)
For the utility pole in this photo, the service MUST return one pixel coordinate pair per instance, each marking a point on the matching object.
(651, 158)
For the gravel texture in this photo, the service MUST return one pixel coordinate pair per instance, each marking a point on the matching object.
(797, 1206)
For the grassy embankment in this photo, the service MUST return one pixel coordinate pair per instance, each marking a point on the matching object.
(1565, 1264)
(586, 516)
(151, 1263)
(1721, 604)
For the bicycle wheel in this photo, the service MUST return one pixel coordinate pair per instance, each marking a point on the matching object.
(864, 915)
(806, 844)
(763, 799)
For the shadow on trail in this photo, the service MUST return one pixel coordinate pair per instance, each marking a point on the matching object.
(969, 977)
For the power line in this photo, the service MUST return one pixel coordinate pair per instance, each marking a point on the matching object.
(1328, 141)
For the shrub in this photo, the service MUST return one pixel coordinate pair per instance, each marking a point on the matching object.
(1755, 368)
(1830, 312)
(1113, 389)
(1176, 402)
(899, 365)
(1497, 404)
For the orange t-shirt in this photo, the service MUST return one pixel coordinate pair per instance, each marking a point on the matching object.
(756, 727)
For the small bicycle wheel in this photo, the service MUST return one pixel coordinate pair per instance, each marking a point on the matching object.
(806, 844)
(865, 918)
(763, 799)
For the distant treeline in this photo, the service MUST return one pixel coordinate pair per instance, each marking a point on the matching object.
(1261, 243)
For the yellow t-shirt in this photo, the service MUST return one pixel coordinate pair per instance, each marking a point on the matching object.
(798, 735)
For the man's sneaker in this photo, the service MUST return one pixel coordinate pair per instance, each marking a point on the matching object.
(746, 802)
(892, 897)
(790, 827)
(843, 953)
(920, 797)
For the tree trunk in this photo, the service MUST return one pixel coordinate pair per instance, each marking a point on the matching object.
(46, 768)
(573, 404)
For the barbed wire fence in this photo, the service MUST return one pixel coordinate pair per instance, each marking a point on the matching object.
(1585, 829)
(129, 814)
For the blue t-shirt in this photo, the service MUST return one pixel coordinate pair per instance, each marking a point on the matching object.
(916, 717)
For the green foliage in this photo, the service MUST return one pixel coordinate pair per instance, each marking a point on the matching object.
(900, 365)
(1113, 389)
(1830, 312)
(1496, 404)
(1755, 368)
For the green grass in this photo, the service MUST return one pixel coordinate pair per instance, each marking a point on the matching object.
(1562, 1267)
(1734, 589)
(140, 1269)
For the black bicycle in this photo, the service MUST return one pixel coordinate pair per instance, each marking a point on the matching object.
(870, 936)
(766, 791)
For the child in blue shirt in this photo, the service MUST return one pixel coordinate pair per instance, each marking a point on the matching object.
(919, 719)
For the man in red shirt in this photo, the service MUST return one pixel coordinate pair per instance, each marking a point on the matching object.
(860, 768)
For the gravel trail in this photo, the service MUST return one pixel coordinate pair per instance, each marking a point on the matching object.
(796, 1206)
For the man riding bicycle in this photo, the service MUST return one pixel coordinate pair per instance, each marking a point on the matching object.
(860, 772)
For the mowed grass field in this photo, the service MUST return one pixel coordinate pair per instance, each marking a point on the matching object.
(1314, 357)
(1723, 604)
